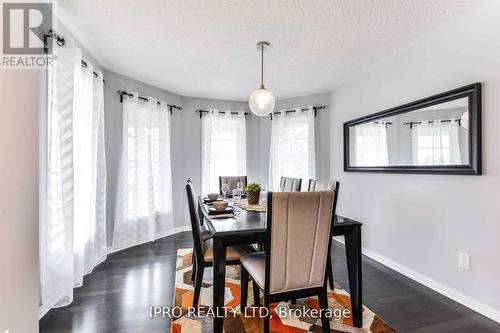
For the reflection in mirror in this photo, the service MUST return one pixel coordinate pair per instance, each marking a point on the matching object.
(432, 136)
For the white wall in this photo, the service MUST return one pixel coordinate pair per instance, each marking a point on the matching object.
(419, 223)
(19, 107)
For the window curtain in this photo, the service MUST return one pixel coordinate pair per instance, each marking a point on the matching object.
(436, 143)
(292, 147)
(223, 148)
(370, 140)
(72, 235)
(144, 200)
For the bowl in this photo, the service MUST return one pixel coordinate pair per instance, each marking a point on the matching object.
(220, 205)
(213, 196)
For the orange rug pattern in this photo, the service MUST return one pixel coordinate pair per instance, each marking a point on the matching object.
(236, 322)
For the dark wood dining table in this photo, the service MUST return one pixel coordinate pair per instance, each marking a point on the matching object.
(248, 227)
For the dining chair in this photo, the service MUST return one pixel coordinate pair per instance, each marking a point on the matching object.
(318, 185)
(205, 233)
(288, 184)
(298, 240)
(330, 185)
(203, 249)
(232, 181)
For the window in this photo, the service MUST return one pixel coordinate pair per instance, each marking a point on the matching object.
(223, 148)
(435, 142)
(144, 206)
(370, 140)
(72, 238)
(292, 147)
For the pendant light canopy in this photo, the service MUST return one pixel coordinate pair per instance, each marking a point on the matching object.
(261, 101)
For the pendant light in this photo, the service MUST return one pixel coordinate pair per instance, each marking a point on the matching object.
(261, 100)
(464, 120)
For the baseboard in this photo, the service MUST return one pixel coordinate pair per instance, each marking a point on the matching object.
(453, 294)
(170, 233)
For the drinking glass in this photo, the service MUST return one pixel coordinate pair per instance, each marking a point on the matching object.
(239, 186)
(224, 189)
(237, 194)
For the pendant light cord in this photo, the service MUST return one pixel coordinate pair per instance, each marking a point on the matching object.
(262, 67)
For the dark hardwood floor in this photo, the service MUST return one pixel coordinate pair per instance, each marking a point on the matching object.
(116, 297)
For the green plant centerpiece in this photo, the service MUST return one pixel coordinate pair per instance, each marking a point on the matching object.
(253, 193)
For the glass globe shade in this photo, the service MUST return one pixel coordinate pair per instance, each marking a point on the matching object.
(464, 120)
(261, 102)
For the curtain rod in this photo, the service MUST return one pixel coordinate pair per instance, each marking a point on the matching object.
(61, 42)
(170, 106)
(201, 112)
(412, 123)
(315, 108)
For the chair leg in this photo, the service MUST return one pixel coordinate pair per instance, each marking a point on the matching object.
(243, 289)
(323, 305)
(267, 318)
(329, 270)
(193, 267)
(197, 285)
(256, 294)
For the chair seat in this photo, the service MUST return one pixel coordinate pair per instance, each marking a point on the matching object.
(232, 252)
(255, 264)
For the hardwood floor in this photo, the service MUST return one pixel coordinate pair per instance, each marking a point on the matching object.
(116, 297)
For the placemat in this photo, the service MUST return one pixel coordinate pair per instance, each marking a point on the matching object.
(243, 204)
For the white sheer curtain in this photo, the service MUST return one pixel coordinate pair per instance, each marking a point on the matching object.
(223, 148)
(144, 203)
(436, 143)
(292, 147)
(370, 140)
(72, 236)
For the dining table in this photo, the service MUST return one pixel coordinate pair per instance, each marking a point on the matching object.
(249, 227)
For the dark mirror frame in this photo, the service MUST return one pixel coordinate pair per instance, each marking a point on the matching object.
(473, 92)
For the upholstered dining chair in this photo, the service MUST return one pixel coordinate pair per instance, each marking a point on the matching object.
(330, 185)
(231, 181)
(203, 250)
(288, 184)
(318, 185)
(299, 229)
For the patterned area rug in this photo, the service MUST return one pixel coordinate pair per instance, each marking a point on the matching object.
(294, 321)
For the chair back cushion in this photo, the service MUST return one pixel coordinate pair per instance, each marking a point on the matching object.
(195, 219)
(232, 181)
(300, 233)
(288, 184)
(317, 185)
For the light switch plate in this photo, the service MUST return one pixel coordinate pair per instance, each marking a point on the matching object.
(464, 261)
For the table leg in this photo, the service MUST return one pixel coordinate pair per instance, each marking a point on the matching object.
(219, 283)
(353, 254)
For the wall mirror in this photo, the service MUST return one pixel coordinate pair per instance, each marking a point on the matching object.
(440, 134)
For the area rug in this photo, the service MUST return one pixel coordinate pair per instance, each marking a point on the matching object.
(236, 322)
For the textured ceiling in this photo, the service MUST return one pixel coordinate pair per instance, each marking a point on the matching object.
(207, 48)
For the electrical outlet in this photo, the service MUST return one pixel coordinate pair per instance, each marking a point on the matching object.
(464, 261)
